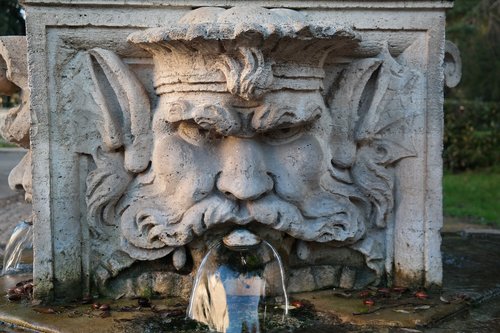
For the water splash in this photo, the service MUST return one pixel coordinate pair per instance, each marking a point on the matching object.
(239, 289)
(21, 239)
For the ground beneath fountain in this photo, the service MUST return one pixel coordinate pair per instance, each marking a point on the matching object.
(469, 302)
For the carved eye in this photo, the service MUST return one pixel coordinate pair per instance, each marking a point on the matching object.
(193, 133)
(381, 151)
(283, 135)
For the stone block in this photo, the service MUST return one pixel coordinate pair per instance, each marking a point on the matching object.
(156, 128)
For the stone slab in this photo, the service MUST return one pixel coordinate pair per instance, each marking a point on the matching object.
(408, 312)
(480, 301)
(78, 318)
(70, 318)
(227, 3)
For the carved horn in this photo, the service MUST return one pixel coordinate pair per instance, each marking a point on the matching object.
(134, 109)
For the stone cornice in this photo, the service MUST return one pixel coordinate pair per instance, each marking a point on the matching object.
(346, 4)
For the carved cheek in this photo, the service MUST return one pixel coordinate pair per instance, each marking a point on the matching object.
(297, 167)
(178, 171)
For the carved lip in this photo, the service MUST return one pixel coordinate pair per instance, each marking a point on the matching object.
(241, 240)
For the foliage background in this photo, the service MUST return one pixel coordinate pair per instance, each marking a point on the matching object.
(474, 26)
(11, 18)
(471, 138)
(11, 23)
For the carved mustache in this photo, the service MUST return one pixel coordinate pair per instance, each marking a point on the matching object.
(155, 228)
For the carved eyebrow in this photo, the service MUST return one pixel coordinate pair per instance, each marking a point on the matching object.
(216, 117)
(274, 117)
(207, 116)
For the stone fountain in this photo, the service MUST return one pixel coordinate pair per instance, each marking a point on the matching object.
(159, 127)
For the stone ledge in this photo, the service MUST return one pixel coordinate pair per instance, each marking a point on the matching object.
(80, 318)
(352, 310)
(416, 4)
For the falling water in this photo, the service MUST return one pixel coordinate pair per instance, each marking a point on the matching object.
(21, 238)
(239, 289)
(282, 274)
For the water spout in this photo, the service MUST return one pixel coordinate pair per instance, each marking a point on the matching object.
(21, 239)
(239, 286)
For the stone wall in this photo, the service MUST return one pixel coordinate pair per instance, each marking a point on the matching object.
(157, 128)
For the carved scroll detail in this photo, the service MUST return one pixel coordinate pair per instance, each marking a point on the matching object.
(452, 65)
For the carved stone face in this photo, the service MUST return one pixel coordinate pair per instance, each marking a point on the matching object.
(220, 159)
(249, 149)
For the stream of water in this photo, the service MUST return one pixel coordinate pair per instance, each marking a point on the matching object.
(239, 290)
(21, 239)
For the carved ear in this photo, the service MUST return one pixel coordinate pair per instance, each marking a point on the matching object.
(125, 107)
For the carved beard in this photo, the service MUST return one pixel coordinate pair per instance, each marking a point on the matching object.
(158, 224)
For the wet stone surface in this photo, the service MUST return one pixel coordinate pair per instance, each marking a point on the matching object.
(471, 262)
(468, 303)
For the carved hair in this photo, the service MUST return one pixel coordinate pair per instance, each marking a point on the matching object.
(250, 78)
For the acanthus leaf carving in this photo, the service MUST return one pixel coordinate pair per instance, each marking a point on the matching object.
(105, 186)
(374, 102)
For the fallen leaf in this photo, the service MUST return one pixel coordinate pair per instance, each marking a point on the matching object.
(384, 291)
(369, 302)
(342, 294)
(399, 289)
(422, 307)
(45, 310)
(444, 300)
(401, 311)
(119, 296)
(297, 304)
(105, 307)
(421, 295)
(128, 308)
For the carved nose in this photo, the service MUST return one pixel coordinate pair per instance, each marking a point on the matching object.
(243, 174)
(20, 176)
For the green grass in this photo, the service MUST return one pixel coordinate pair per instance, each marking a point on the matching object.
(5, 144)
(474, 195)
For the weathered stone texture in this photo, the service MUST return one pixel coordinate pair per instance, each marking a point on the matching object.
(158, 129)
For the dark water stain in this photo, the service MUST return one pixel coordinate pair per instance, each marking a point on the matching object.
(471, 262)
